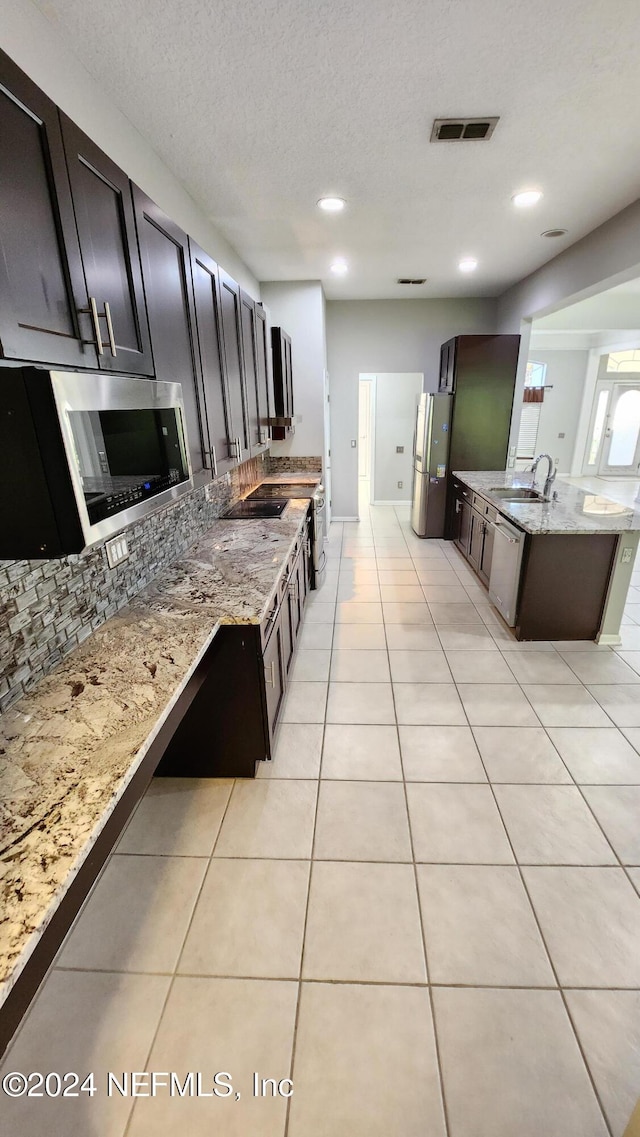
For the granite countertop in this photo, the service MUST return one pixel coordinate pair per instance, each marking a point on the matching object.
(575, 511)
(69, 748)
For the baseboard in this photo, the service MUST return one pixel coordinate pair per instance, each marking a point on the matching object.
(334, 517)
(613, 639)
(403, 501)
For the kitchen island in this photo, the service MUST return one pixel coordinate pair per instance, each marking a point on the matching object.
(568, 570)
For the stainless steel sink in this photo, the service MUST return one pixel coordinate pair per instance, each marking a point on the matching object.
(516, 493)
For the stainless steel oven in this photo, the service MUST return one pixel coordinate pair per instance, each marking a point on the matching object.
(86, 455)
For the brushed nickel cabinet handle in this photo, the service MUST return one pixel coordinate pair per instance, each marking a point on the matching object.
(107, 316)
(270, 675)
(92, 310)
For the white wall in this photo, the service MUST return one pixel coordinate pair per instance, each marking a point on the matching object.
(560, 411)
(396, 403)
(607, 256)
(383, 336)
(298, 307)
(36, 45)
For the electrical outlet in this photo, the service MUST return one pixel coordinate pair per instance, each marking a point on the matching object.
(399, 449)
(117, 551)
(400, 485)
(511, 463)
(626, 556)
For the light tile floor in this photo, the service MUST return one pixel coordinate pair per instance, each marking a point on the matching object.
(426, 910)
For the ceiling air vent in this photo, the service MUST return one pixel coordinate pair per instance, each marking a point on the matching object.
(463, 129)
(411, 280)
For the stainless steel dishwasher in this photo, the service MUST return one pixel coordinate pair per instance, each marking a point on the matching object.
(504, 582)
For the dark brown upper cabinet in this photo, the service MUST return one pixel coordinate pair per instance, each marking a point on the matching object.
(265, 373)
(166, 273)
(283, 424)
(216, 416)
(110, 256)
(42, 285)
(254, 387)
(230, 307)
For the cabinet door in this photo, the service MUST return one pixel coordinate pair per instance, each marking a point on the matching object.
(487, 552)
(232, 345)
(296, 595)
(106, 228)
(250, 366)
(463, 531)
(166, 273)
(476, 539)
(289, 374)
(216, 417)
(265, 375)
(274, 671)
(282, 381)
(42, 286)
(288, 630)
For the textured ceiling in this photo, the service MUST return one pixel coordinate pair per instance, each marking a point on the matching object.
(260, 108)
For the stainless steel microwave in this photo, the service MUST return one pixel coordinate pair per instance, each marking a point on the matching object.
(83, 455)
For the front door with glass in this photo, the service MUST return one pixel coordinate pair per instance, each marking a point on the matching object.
(621, 449)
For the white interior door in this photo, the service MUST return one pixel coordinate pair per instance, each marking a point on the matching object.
(621, 449)
(364, 431)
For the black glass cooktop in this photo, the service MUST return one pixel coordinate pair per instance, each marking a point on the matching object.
(271, 507)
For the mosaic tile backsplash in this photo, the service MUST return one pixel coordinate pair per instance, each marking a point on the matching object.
(291, 465)
(48, 607)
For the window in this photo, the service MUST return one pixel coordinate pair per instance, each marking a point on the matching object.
(535, 374)
(621, 361)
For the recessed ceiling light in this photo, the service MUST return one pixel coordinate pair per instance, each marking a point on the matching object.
(554, 233)
(526, 198)
(339, 266)
(468, 264)
(332, 204)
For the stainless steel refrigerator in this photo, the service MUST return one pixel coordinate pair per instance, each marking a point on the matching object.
(430, 465)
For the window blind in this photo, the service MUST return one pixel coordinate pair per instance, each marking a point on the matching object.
(529, 423)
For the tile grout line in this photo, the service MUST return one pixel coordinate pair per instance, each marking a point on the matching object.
(544, 942)
(174, 974)
(518, 866)
(436, 1042)
(296, 1021)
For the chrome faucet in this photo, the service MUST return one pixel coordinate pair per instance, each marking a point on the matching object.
(551, 475)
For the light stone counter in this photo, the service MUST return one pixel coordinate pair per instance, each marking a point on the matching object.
(69, 748)
(575, 511)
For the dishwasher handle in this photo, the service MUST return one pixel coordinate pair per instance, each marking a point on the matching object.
(506, 530)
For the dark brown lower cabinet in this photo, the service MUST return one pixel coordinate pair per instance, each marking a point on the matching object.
(564, 582)
(231, 724)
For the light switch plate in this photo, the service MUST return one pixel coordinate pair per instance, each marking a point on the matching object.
(353, 443)
(117, 551)
(626, 556)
